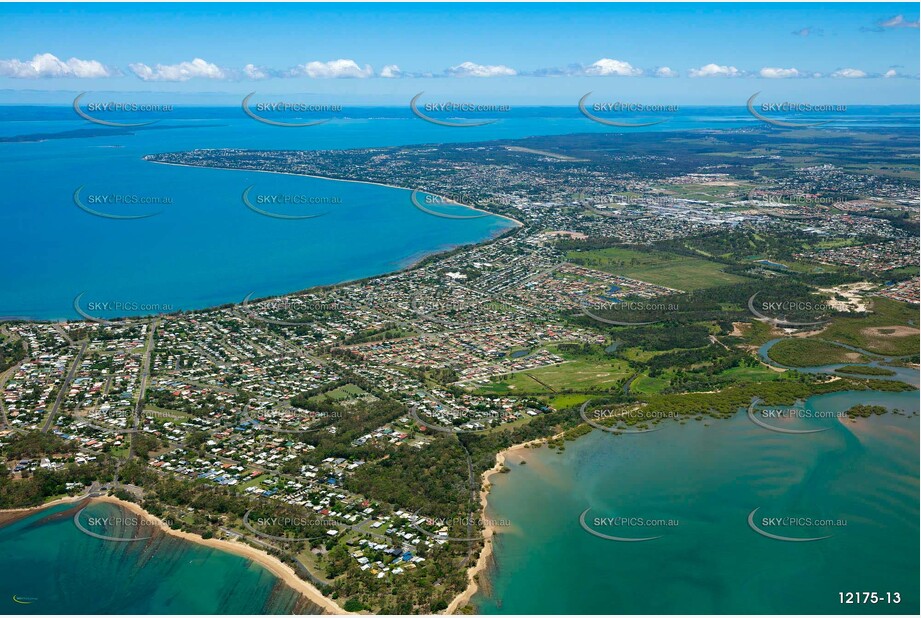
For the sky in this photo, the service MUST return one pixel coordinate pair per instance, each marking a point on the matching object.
(521, 54)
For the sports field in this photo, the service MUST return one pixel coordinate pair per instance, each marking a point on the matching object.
(674, 271)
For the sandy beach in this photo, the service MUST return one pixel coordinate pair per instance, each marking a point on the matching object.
(486, 553)
(284, 571)
(7, 515)
(271, 563)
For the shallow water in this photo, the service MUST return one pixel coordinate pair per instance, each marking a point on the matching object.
(51, 567)
(708, 476)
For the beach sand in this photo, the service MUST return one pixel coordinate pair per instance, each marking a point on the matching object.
(275, 566)
(485, 557)
(289, 576)
(11, 515)
(271, 563)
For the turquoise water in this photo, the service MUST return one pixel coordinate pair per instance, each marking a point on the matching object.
(205, 247)
(53, 568)
(708, 476)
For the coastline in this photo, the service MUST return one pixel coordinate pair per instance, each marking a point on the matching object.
(45, 505)
(409, 263)
(482, 563)
(272, 564)
(287, 574)
(9, 515)
(361, 182)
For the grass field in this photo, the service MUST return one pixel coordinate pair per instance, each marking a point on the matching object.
(892, 328)
(674, 271)
(811, 352)
(638, 354)
(577, 375)
(561, 402)
(756, 333)
(645, 385)
(170, 414)
(257, 480)
(752, 374)
(720, 193)
(348, 391)
(312, 562)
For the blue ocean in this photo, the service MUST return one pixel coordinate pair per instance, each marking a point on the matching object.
(198, 244)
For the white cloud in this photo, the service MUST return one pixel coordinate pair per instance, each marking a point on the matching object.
(777, 73)
(849, 73)
(898, 21)
(715, 70)
(334, 69)
(471, 69)
(891, 73)
(251, 71)
(49, 65)
(609, 66)
(605, 67)
(181, 72)
(391, 71)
